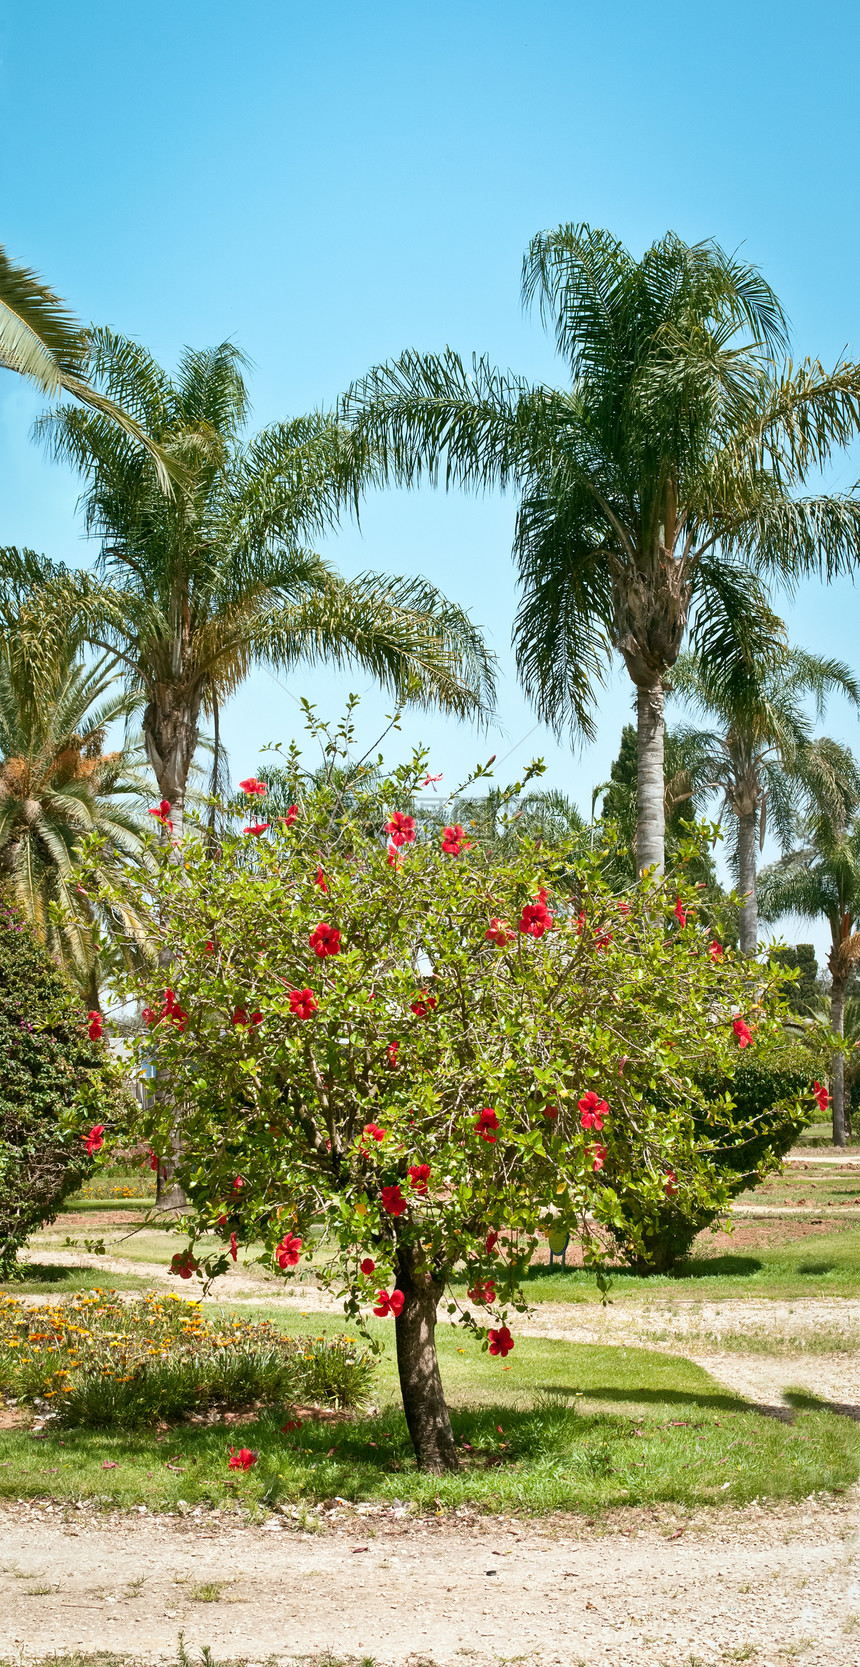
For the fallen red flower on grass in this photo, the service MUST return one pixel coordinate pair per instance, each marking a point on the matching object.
(501, 1341)
(243, 1460)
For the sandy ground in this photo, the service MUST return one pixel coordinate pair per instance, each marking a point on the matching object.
(643, 1590)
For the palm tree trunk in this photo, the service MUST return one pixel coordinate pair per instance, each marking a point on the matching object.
(651, 815)
(748, 917)
(171, 739)
(837, 1069)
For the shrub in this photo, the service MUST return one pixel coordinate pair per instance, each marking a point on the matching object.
(431, 1054)
(105, 1363)
(54, 1082)
(748, 1121)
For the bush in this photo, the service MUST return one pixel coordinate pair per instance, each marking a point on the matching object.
(105, 1363)
(53, 1082)
(749, 1121)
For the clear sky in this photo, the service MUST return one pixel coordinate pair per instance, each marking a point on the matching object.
(330, 184)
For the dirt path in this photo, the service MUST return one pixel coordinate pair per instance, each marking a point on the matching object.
(774, 1584)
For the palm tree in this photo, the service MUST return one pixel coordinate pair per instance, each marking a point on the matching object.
(193, 590)
(654, 488)
(58, 786)
(764, 758)
(822, 881)
(41, 339)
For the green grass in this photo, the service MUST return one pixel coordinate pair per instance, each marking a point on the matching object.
(566, 1426)
(46, 1279)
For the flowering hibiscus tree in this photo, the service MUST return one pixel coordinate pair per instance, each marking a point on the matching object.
(403, 1060)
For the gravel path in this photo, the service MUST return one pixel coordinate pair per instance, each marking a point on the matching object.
(646, 1589)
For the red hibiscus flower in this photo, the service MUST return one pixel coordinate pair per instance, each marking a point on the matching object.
(210, 947)
(242, 1018)
(486, 1124)
(238, 1184)
(822, 1096)
(551, 1112)
(243, 1460)
(715, 950)
(680, 912)
(153, 1160)
(391, 1050)
(287, 1253)
(535, 919)
(430, 780)
(592, 1111)
(149, 1015)
(491, 1241)
(162, 814)
(452, 840)
(184, 1264)
(256, 828)
(373, 1131)
(401, 829)
(172, 1011)
(670, 1185)
(386, 1304)
(393, 857)
(602, 940)
(325, 940)
(94, 1141)
(501, 1341)
(95, 1025)
(253, 787)
(291, 1424)
(419, 1175)
(423, 1004)
(367, 1266)
(483, 1291)
(234, 1249)
(291, 815)
(393, 1201)
(598, 1156)
(499, 933)
(303, 1003)
(580, 923)
(742, 1032)
(624, 908)
(320, 880)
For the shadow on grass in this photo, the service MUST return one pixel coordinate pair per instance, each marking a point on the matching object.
(695, 1267)
(37, 1278)
(802, 1401)
(722, 1401)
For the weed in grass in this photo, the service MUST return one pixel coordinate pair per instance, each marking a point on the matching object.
(744, 1652)
(40, 1591)
(208, 1592)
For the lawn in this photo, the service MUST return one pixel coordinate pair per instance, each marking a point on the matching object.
(559, 1426)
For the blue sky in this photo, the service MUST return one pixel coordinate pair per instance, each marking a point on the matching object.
(327, 185)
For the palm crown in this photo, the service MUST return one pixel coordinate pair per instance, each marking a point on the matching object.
(655, 488)
(192, 589)
(764, 759)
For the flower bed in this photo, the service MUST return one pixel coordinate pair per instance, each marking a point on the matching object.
(100, 1362)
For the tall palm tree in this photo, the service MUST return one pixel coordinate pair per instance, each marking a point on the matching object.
(821, 880)
(194, 589)
(653, 488)
(41, 339)
(764, 758)
(58, 786)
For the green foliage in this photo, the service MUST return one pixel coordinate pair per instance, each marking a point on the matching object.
(417, 1027)
(106, 1364)
(54, 1085)
(802, 993)
(750, 1118)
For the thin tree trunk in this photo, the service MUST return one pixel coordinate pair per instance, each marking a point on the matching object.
(651, 815)
(418, 1367)
(748, 918)
(837, 1069)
